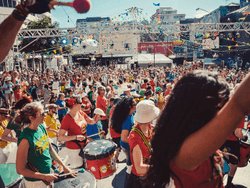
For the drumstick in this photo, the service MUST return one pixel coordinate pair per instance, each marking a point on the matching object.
(103, 132)
(247, 132)
(81, 6)
(61, 175)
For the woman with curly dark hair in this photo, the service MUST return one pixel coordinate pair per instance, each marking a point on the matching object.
(196, 121)
(122, 122)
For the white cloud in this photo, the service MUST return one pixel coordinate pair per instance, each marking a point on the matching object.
(201, 13)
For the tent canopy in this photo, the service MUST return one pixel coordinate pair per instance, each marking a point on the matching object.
(147, 58)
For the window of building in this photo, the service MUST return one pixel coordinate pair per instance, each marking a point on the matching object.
(5, 3)
(127, 45)
(10, 4)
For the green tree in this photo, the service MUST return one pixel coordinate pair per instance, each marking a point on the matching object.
(42, 43)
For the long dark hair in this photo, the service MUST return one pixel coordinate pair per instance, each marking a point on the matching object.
(192, 104)
(121, 113)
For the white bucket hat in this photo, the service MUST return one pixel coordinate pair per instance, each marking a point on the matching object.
(99, 111)
(8, 79)
(146, 111)
(84, 95)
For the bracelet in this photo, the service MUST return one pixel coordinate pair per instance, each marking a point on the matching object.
(76, 137)
(19, 13)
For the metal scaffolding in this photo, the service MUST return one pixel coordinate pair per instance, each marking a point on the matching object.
(136, 29)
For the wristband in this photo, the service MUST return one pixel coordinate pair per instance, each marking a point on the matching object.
(19, 13)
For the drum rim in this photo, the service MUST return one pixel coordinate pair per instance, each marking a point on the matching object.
(14, 182)
(246, 144)
(100, 156)
(90, 173)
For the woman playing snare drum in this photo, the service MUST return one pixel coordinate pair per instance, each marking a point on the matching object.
(34, 160)
(74, 124)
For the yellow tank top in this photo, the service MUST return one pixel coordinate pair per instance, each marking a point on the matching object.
(3, 144)
(160, 101)
(49, 120)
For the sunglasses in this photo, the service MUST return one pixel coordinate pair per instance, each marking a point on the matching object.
(42, 114)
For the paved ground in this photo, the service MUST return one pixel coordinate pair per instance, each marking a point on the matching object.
(117, 179)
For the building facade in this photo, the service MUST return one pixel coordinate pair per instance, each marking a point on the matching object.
(167, 15)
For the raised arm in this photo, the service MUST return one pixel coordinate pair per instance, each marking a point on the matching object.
(203, 143)
(11, 25)
(9, 29)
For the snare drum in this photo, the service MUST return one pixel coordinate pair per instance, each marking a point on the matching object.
(9, 175)
(82, 180)
(244, 150)
(100, 158)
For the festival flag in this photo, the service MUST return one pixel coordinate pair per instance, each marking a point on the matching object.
(156, 4)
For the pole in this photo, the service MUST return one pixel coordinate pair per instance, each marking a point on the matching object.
(167, 45)
(154, 54)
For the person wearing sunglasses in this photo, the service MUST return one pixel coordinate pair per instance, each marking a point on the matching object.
(73, 131)
(34, 151)
(96, 126)
(50, 121)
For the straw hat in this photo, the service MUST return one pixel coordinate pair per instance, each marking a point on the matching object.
(146, 111)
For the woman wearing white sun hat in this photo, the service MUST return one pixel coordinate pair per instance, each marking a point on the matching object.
(139, 141)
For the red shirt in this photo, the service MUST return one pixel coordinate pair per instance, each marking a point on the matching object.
(143, 86)
(18, 95)
(166, 93)
(113, 134)
(195, 178)
(233, 137)
(74, 127)
(101, 102)
(134, 140)
(152, 83)
(87, 104)
(112, 89)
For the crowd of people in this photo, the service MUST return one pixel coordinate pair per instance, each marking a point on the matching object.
(83, 101)
(171, 122)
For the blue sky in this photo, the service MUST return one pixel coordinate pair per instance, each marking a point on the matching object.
(112, 8)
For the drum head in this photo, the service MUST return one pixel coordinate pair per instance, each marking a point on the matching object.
(244, 131)
(99, 149)
(9, 175)
(83, 179)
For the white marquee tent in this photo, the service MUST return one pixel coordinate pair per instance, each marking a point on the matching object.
(145, 59)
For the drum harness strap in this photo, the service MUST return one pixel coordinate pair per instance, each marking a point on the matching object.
(78, 143)
(144, 139)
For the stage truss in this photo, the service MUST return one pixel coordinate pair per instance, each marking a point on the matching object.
(211, 28)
